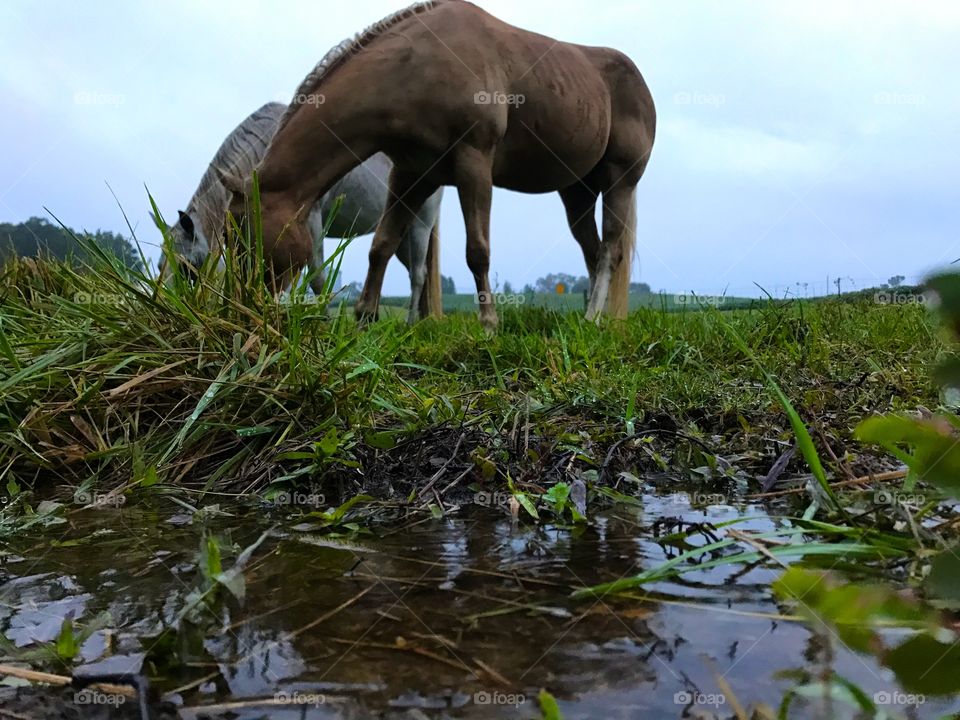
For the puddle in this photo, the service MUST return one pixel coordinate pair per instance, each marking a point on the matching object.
(453, 618)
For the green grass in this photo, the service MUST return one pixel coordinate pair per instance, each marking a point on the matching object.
(106, 379)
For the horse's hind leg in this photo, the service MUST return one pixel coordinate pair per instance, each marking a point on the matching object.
(580, 203)
(619, 234)
(413, 254)
(406, 191)
(475, 187)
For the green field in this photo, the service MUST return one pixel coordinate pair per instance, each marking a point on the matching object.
(571, 302)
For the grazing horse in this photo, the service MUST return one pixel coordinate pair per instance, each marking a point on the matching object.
(455, 96)
(199, 230)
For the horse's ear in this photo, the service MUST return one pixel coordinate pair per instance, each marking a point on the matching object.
(186, 222)
(230, 181)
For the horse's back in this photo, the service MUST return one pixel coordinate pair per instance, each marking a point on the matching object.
(539, 104)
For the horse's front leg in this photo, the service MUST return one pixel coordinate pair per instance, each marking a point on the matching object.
(407, 194)
(317, 267)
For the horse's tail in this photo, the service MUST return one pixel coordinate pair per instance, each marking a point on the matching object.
(431, 299)
(618, 297)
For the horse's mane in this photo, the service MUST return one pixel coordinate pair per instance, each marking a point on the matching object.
(349, 47)
(238, 155)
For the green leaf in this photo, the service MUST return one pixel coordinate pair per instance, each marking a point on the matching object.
(362, 370)
(150, 477)
(943, 582)
(925, 665)
(381, 440)
(330, 443)
(947, 373)
(254, 430)
(527, 504)
(487, 467)
(12, 487)
(549, 708)
(337, 515)
(66, 644)
(936, 451)
(855, 611)
(557, 496)
(947, 288)
(210, 563)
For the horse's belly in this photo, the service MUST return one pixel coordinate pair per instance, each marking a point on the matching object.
(550, 145)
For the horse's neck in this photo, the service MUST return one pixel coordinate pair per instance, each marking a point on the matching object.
(309, 155)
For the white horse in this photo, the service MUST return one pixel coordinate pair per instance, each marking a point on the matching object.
(199, 229)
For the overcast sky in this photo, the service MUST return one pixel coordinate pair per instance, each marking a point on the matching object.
(796, 139)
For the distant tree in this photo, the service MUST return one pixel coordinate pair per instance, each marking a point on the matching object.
(896, 281)
(528, 289)
(37, 237)
(507, 288)
(570, 283)
(447, 286)
(640, 288)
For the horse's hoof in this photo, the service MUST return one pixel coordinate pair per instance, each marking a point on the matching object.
(365, 318)
(490, 325)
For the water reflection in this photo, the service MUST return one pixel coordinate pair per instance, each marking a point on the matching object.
(464, 618)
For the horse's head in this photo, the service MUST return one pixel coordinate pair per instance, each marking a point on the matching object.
(189, 245)
(287, 242)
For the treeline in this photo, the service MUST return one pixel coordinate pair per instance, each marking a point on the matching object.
(553, 282)
(38, 237)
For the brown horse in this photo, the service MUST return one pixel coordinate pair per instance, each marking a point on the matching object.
(455, 96)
